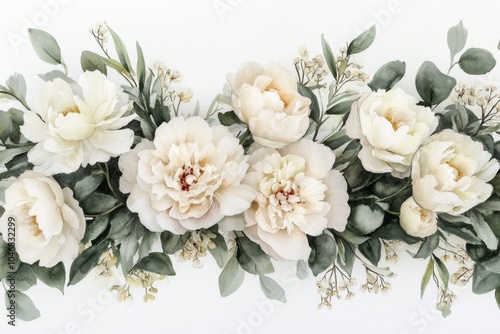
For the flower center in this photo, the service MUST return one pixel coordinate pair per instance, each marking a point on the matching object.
(286, 197)
(389, 115)
(73, 109)
(36, 227)
(188, 175)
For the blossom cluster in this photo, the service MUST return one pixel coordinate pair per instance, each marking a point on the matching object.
(304, 169)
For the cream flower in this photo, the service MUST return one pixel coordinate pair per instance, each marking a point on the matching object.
(77, 126)
(298, 194)
(450, 173)
(391, 128)
(417, 221)
(49, 222)
(268, 101)
(187, 178)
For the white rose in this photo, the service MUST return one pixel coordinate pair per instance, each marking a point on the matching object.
(450, 173)
(187, 178)
(298, 194)
(49, 222)
(391, 128)
(268, 101)
(417, 221)
(77, 126)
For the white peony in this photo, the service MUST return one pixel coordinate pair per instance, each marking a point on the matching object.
(450, 173)
(187, 178)
(417, 221)
(48, 220)
(298, 194)
(268, 101)
(75, 128)
(391, 128)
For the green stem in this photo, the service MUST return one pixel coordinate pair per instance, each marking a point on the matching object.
(108, 180)
(17, 98)
(407, 184)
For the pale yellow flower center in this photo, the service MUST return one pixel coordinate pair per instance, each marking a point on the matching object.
(72, 109)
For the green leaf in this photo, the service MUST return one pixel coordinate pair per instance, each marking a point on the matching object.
(252, 258)
(388, 75)
(56, 74)
(171, 243)
(461, 230)
(85, 262)
(340, 108)
(220, 252)
(372, 250)
(121, 50)
(98, 203)
(442, 271)
(128, 248)
(158, 263)
(17, 84)
(141, 67)
(323, 253)
(302, 269)
(95, 228)
(9, 260)
(16, 167)
(231, 277)
(229, 118)
(307, 92)
(428, 246)
(147, 242)
(346, 257)
(457, 36)
(87, 186)
(272, 289)
(122, 224)
(484, 281)
(329, 57)
(91, 61)
(427, 276)
(25, 309)
(477, 61)
(9, 154)
(433, 86)
(362, 42)
(45, 46)
(366, 218)
(6, 128)
(337, 140)
(357, 177)
(54, 277)
(25, 278)
(483, 230)
(497, 296)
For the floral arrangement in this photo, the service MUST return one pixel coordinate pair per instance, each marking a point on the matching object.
(325, 167)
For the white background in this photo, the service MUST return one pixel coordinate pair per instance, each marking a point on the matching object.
(205, 44)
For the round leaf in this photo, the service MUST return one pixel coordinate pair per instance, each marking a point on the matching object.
(477, 61)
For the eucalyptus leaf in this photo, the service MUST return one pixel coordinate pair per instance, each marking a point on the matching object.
(45, 46)
(349, 257)
(477, 61)
(98, 203)
(252, 258)
(158, 263)
(366, 218)
(272, 289)
(428, 247)
(362, 42)
(442, 271)
(8, 154)
(484, 231)
(219, 252)
(340, 108)
(147, 242)
(91, 61)
(302, 269)
(17, 85)
(323, 253)
(141, 67)
(95, 228)
(128, 248)
(54, 277)
(388, 75)
(337, 140)
(457, 36)
(497, 296)
(171, 242)
(427, 276)
(87, 186)
(25, 309)
(329, 57)
(315, 110)
(484, 281)
(229, 118)
(121, 50)
(25, 278)
(85, 262)
(372, 250)
(122, 224)
(433, 86)
(231, 277)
